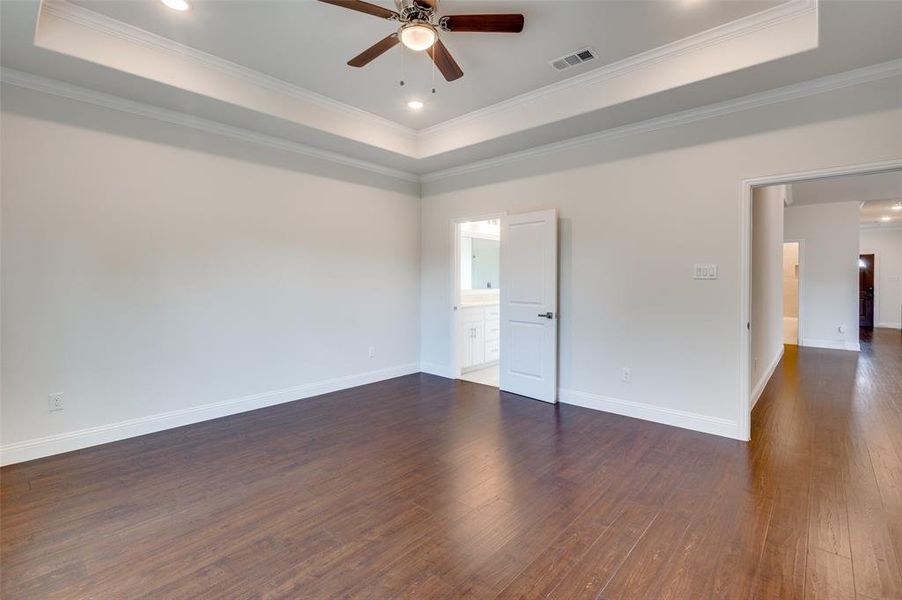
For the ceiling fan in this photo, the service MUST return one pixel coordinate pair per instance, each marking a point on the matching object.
(420, 28)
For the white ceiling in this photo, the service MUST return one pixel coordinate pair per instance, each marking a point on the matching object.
(308, 43)
(285, 40)
(874, 211)
(876, 192)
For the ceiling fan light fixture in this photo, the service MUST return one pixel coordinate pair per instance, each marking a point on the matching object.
(418, 36)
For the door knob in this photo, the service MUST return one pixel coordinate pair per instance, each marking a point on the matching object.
(548, 315)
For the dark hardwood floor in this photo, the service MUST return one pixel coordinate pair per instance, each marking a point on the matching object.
(426, 488)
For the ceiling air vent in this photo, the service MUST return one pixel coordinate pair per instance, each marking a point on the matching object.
(571, 60)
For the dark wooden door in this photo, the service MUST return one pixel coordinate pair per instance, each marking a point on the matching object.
(866, 290)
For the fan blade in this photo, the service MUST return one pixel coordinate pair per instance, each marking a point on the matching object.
(425, 3)
(364, 7)
(374, 51)
(444, 61)
(484, 23)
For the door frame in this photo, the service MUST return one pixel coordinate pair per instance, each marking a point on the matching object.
(745, 266)
(876, 280)
(801, 294)
(455, 284)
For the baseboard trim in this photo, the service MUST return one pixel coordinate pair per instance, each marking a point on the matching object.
(648, 412)
(84, 438)
(831, 344)
(889, 325)
(439, 370)
(762, 383)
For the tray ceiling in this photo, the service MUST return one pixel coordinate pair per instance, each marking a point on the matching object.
(274, 72)
(307, 44)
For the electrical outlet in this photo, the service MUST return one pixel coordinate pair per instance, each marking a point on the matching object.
(372, 352)
(55, 402)
(626, 374)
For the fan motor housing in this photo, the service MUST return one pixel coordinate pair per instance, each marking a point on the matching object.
(410, 10)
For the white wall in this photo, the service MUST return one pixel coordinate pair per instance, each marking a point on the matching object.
(767, 284)
(160, 276)
(829, 272)
(887, 245)
(635, 214)
(151, 272)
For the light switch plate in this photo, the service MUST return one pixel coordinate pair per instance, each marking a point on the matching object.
(705, 271)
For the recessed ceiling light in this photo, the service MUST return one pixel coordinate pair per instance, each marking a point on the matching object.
(415, 104)
(885, 218)
(897, 206)
(176, 4)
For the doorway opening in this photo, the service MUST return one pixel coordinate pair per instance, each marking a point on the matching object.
(867, 265)
(477, 298)
(791, 258)
(839, 215)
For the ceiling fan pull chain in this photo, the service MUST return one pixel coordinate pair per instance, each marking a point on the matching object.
(402, 64)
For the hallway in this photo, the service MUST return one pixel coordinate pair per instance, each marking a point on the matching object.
(827, 455)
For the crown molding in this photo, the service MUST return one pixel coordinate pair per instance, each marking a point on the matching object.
(100, 23)
(801, 90)
(78, 15)
(80, 94)
(716, 35)
(867, 74)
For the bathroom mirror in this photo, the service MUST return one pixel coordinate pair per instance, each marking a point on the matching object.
(480, 263)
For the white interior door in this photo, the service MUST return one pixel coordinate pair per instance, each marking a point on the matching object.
(529, 304)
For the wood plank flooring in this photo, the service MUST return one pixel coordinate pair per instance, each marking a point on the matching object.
(421, 487)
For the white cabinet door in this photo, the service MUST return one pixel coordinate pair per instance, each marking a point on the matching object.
(492, 325)
(471, 335)
(463, 344)
(492, 350)
(529, 305)
(477, 354)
